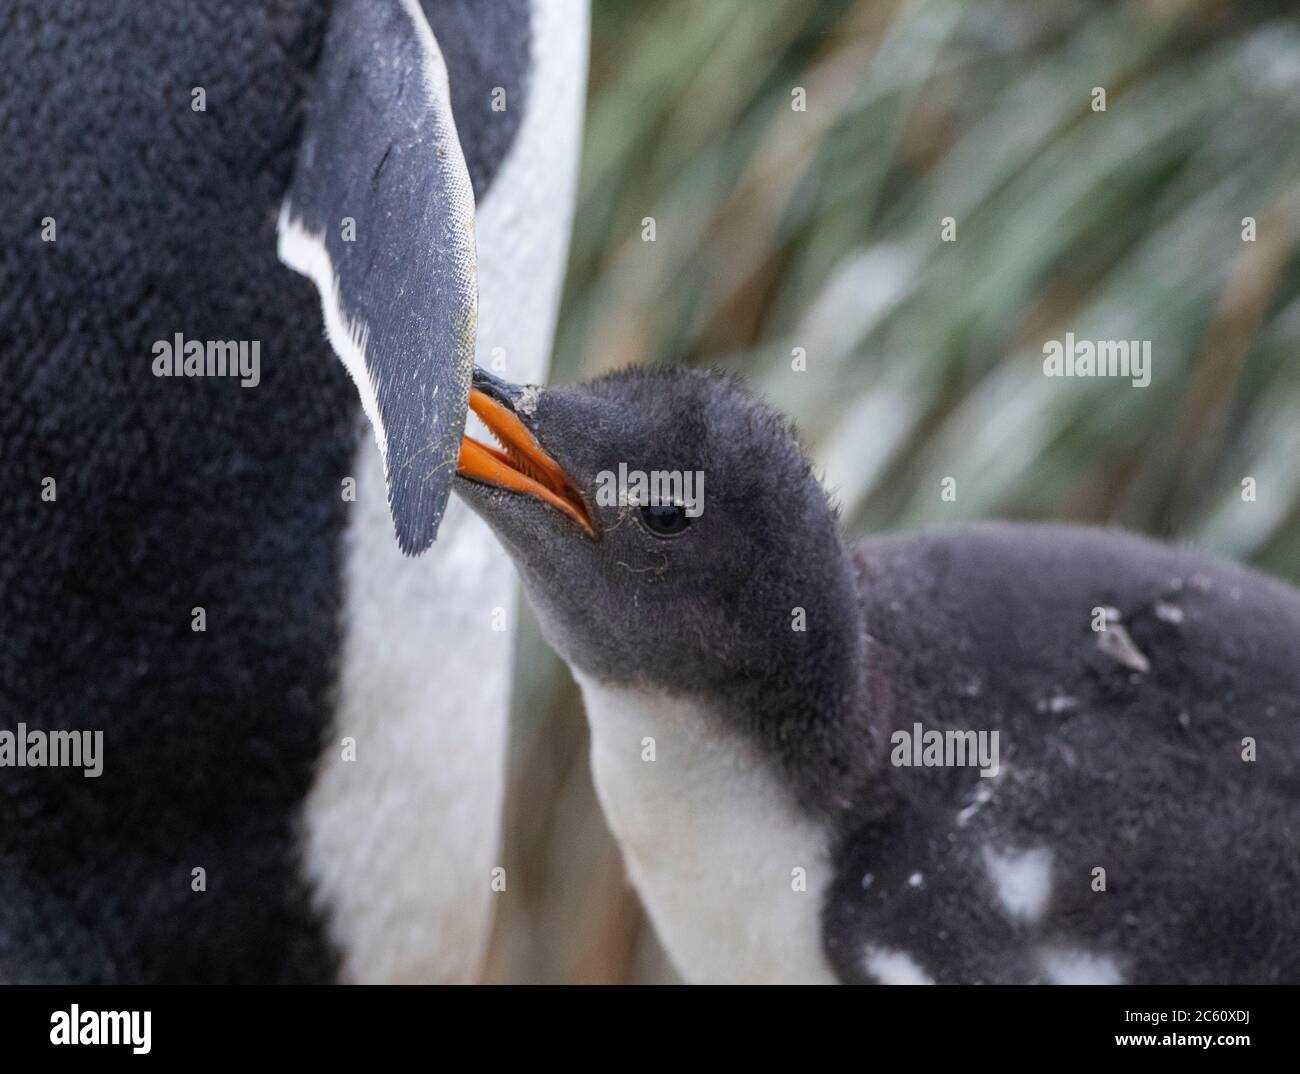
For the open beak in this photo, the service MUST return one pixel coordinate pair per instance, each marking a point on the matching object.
(519, 464)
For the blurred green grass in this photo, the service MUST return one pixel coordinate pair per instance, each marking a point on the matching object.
(778, 229)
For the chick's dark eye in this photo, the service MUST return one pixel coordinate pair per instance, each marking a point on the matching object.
(665, 520)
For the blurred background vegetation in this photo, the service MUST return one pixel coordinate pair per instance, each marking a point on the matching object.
(778, 229)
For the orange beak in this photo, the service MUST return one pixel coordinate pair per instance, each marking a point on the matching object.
(520, 464)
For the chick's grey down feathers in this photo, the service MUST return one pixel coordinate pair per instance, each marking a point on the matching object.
(1139, 774)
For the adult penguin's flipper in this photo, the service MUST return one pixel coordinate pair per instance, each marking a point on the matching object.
(380, 216)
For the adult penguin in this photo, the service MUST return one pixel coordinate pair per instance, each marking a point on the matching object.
(301, 768)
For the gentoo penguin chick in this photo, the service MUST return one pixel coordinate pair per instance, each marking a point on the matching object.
(1006, 753)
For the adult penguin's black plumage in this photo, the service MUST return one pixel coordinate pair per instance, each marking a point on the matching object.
(309, 786)
(765, 696)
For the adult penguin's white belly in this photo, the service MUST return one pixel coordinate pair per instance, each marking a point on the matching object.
(400, 841)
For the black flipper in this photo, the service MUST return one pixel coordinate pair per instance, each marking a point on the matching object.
(380, 216)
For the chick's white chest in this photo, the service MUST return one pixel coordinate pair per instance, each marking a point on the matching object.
(732, 874)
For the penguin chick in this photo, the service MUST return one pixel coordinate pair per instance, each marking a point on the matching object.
(1004, 753)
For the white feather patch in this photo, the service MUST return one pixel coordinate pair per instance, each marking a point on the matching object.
(1070, 966)
(893, 967)
(1022, 881)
